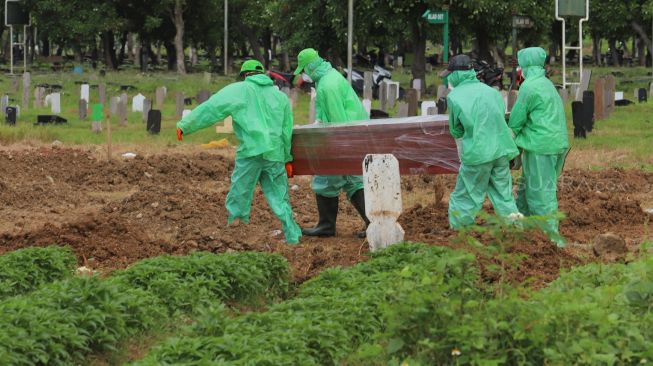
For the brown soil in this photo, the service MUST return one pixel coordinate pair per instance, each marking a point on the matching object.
(116, 213)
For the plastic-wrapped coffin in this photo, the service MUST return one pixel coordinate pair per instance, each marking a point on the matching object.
(422, 145)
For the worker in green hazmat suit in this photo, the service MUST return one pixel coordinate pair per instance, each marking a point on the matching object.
(540, 128)
(262, 122)
(336, 102)
(485, 146)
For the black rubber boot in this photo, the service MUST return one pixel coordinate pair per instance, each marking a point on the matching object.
(358, 201)
(327, 209)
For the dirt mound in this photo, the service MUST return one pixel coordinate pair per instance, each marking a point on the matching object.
(116, 213)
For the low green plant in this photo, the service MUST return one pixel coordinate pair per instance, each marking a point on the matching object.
(25, 270)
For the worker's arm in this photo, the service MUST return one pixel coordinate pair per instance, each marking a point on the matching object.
(286, 133)
(217, 108)
(519, 112)
(455, 126)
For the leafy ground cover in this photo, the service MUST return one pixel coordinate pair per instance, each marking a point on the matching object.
(25, 270)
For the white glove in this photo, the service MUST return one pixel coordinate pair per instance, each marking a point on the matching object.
(459, 147)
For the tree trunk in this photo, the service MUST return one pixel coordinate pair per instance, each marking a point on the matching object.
(172, 57)
(596, 49)
(612, 43)
(641, 52)
(46, 48)
(483, 45)
(179, 36)
(210, 49)
(109, 54)
(77, 49)
(643, 35)
(123, 48)
(419, 52)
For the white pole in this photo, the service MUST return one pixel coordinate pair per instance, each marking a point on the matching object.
(350, 32)
(25, 48)
(11, 50)
(226, 34)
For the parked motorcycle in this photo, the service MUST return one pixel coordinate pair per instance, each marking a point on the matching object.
(378, 75)
(488, 74)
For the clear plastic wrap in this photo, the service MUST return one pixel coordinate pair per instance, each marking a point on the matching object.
(422, 145)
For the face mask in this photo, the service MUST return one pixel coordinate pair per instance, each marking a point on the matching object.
(450, 86)
(306, 78)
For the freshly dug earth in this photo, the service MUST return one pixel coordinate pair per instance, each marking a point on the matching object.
(116, 213)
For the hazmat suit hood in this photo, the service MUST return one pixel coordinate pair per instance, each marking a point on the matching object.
(458, 77)
(259, 79)
(532, 61)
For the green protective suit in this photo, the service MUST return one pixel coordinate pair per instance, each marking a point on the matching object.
(336, 103)
(540, 127)
(262, 122)
(476, 115)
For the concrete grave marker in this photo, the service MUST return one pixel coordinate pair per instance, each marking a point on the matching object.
(137, 102)
(124, 98)
(204, 95)
(55, 103)
(426, 105)
(311, 109)
(113, 105)
(102, 93)
(393, 92)
(610, 85)
(618, 95)
(26, 89)
(563, 95)
(84, 91)
(599, 99)
(147, 106)
(179, 104)
(382, 185)
(4, 102)
(227, 126)
(412, 99)
(82, 109)
(160, 97)
(367, 104)
(122, 112)
(584, 84)
(417, 85)
(367, 85)
(403, 110)
(39, 95)
(431, 111)
(573, 91)
(383, 96)
(14, 85)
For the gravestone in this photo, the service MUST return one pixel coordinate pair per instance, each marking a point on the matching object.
(383, 96)
(82, 109)
(584, 84)
(97, 115)
(428, 104)
(179, 104)
(577, 112)
(311, 108)
(403, 110)
(442, 92)
(102, 91)
(563, 95)
(39, 95)
(610, 90)
(411, 99)
(55, 103)
(113, 105)
(11, 113)
(392, 94)
(147, 106)
(204, 95)
(185, 113)
(599, 99)
(367, 85)
(14, 85)
(417, 85)
(124, 98)
(641, 95)
(122, 112)
(512, 98)
(154, 121)
(367, 104)
(26, 89)
(588, 110)
(160, 97)
(382, 185)
(137, 102)
(84, 91)
(573, 90)
(4, 102)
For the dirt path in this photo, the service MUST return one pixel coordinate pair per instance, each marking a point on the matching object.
(116, 213)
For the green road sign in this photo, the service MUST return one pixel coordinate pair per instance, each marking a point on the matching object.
(572, 8)
(440, 17)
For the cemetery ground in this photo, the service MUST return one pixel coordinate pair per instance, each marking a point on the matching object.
(169, 199)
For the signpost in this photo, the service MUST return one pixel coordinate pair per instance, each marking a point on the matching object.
(440, 17)
(578, 9)
(16, 15)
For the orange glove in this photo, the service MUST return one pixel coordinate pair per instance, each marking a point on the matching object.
(180, 133)
(289, 169)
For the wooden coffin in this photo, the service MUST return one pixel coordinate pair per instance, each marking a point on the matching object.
(422, 145)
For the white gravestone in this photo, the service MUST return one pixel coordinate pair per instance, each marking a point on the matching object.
(85, 93)
(426, 105)
(137, 102)
(55, 103)
(367, 104)
(382, 184)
